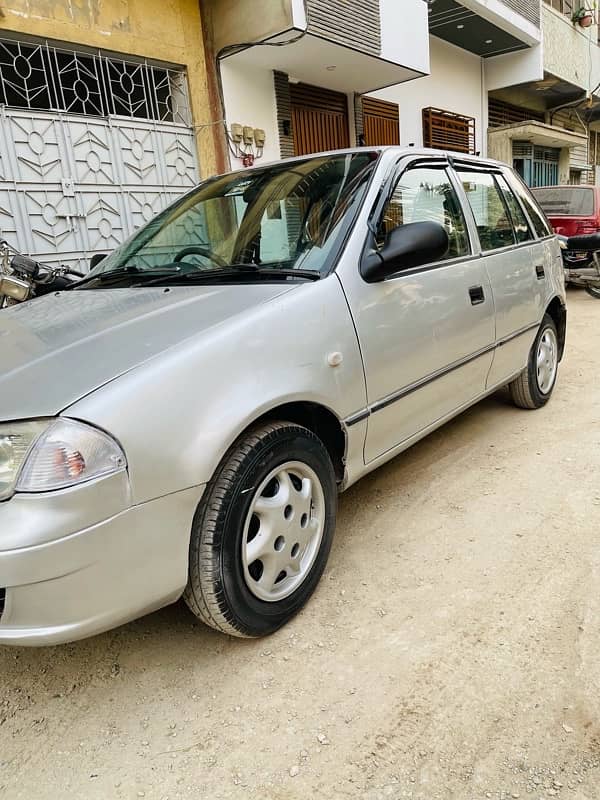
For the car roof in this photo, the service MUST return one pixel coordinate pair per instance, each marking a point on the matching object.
(418, 152)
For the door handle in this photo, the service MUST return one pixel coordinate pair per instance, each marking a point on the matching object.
(476, 294)
(539, 271)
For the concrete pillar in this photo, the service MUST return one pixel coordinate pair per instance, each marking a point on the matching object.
(500, 146)
(564, 164)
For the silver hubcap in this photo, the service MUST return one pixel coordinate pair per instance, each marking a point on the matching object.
(283, 531)
(547, 360)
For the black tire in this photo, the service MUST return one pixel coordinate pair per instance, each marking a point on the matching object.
(524, 390)
(593, 291)
(217, 592)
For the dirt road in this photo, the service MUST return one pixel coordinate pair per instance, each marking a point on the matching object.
(451, 651)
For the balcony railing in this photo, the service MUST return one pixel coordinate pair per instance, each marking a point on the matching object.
(564, 6)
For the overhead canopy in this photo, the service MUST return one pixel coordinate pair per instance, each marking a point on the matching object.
(478, 28)
(540, 134)
(324, 63)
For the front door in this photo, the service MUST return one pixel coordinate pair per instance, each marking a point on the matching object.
(537, 166)
(319, 119)
(426, 334)
(381, 122)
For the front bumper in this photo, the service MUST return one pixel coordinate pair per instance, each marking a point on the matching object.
(63, 584)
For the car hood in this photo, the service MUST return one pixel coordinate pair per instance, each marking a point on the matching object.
(58, 348)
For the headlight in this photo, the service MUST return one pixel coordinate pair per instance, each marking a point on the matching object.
(16, 440)
(40, 457)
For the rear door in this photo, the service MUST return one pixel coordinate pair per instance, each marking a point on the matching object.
(514, 261)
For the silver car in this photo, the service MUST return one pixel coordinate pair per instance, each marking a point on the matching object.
(182, 420)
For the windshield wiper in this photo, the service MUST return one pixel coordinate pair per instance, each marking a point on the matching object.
(135, 273)
(237, 272)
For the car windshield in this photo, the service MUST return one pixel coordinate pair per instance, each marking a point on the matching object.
(285, 217)
(566, 201)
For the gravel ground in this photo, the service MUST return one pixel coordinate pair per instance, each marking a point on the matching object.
(452, 649)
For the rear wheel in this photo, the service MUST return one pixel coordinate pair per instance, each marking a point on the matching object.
(534, 386)
(262, 532)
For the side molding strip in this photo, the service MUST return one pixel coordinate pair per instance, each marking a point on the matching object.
(378, 405)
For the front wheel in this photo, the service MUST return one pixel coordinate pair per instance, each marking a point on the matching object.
(593, 291)
(533, 387)
(263, 530)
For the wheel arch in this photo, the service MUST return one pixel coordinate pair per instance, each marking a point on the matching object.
(319, 419)
(558, 311)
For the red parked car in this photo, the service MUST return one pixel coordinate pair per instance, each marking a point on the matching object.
(571, 210)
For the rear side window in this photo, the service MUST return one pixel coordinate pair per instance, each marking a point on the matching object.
(536, 215)
(519, 220)
(426, 194)
(566, 201)
(489, 209)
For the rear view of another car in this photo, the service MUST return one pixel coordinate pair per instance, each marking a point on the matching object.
(571, 210)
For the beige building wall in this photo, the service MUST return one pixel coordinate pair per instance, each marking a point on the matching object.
(237, 21)
(161, 30)
(570, 52)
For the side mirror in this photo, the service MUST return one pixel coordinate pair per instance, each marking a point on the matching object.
(96, 259)
(407, 246)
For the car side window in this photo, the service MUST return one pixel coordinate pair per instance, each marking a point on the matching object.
(536, 215)
(519, 220)
(489, 209)
(425, 194)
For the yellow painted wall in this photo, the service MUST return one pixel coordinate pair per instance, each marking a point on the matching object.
(162, 30)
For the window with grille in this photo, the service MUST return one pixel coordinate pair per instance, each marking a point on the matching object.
(501, 113)
(564, 6)
(46, 78)
(445, 130)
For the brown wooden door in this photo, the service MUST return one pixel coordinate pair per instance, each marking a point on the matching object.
(319, 119)
(381, 122)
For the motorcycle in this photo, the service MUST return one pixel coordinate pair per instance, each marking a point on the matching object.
(581, 261)
(22, 278)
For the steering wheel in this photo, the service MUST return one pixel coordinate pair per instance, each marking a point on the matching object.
(200, 251)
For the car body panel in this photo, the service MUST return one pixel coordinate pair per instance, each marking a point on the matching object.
(100, 576)
(73, 342)
(212, 387)
(411, 327)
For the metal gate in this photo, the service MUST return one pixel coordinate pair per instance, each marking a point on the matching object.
(74, 179)
(538, 166)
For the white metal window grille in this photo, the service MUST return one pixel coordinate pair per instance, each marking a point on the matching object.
(564, 6)
(42, 77)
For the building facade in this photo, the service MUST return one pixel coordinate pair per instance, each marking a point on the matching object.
(291, 70)
(513, 79)
(110, 110)
(369, 72)
(547, 126)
